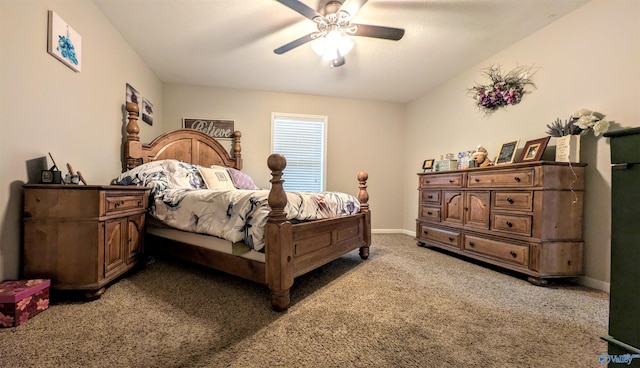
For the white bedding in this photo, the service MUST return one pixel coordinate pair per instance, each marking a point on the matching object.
(179, 199)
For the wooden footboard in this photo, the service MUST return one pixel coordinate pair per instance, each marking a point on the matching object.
(292, 250)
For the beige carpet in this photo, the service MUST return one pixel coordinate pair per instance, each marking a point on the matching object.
(406, 306)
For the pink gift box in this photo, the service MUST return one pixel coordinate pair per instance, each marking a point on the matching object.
(22, 299)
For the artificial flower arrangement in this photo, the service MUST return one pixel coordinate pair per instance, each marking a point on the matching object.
(579, 124)
(503, 90)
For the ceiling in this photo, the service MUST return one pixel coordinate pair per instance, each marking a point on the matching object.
(230, 43)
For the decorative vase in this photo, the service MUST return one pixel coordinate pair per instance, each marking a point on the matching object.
(568, 148)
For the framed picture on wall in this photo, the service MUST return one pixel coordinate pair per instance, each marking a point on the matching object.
(147, 111)
(507, 153)
(534, 149)
(132, 95)
(64, 43)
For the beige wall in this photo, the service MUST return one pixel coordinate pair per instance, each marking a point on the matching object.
(47, 107)
(361, 135)
(588, 59)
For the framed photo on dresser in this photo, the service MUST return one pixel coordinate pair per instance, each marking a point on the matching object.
(534, 149)
(507, 153)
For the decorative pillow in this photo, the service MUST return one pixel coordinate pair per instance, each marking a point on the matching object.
(216, 178)
(241, 180)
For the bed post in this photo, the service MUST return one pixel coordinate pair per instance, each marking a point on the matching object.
(363, 197)
(132, 145)
(237, 150)
(278, 235)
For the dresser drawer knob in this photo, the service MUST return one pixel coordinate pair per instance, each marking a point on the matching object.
(430, 196)
(451, 238)
(509, 223)
(477, 180)
(510, 200)
(429, 213)
(117, 204)
(451, 181)
(513, 254)
(517, 179)
(472, 244)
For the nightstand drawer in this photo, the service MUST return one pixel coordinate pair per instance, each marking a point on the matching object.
(117, 202)
(522, 201)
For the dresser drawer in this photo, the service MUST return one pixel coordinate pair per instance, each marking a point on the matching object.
(512, 253)
(521, 201)
(446, 180)
(512, 223)
(511, 178)
(430, 196)
(430, 213)
(441, 236)
(117, 202)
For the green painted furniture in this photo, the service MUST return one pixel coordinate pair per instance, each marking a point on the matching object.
(624, 304)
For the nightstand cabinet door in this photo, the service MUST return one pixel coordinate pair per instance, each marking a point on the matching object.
(135, 237)
(114, 246)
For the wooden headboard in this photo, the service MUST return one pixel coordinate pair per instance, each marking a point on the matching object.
(187, 145)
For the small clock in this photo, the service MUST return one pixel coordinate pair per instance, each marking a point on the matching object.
(50, 177)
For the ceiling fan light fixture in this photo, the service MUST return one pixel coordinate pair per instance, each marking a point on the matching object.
(333, 44)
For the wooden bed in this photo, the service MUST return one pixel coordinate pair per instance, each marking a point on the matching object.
(290, 249)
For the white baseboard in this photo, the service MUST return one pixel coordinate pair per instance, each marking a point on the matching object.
(393, 231)
(594, 284)
(583, 280)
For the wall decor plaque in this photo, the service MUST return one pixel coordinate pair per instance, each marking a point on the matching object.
(215, 128)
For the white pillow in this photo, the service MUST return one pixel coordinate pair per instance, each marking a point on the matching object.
(216, 178)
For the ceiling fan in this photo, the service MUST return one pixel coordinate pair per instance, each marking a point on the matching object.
(334, 26)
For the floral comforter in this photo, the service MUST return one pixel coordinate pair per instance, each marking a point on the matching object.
(179, 198)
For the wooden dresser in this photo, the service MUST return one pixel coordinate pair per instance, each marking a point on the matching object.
(82, 236)
(525, 217)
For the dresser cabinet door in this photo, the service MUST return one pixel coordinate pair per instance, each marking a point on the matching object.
(476, 209)
(114, 242)
(453, 205)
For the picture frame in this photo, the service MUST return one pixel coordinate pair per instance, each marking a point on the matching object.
(147, 111)
(132, 95)
(214, 128)
(533, 150)
(507, 153)
(63, 42)
(427, 165)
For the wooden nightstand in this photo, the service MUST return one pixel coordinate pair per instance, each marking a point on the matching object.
(82, 236)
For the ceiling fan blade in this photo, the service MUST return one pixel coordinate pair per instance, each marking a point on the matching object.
(295, 43)
(352, 6)
(300, 8)
(388, 33)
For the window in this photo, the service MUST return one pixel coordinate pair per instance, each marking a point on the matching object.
(302, 141)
